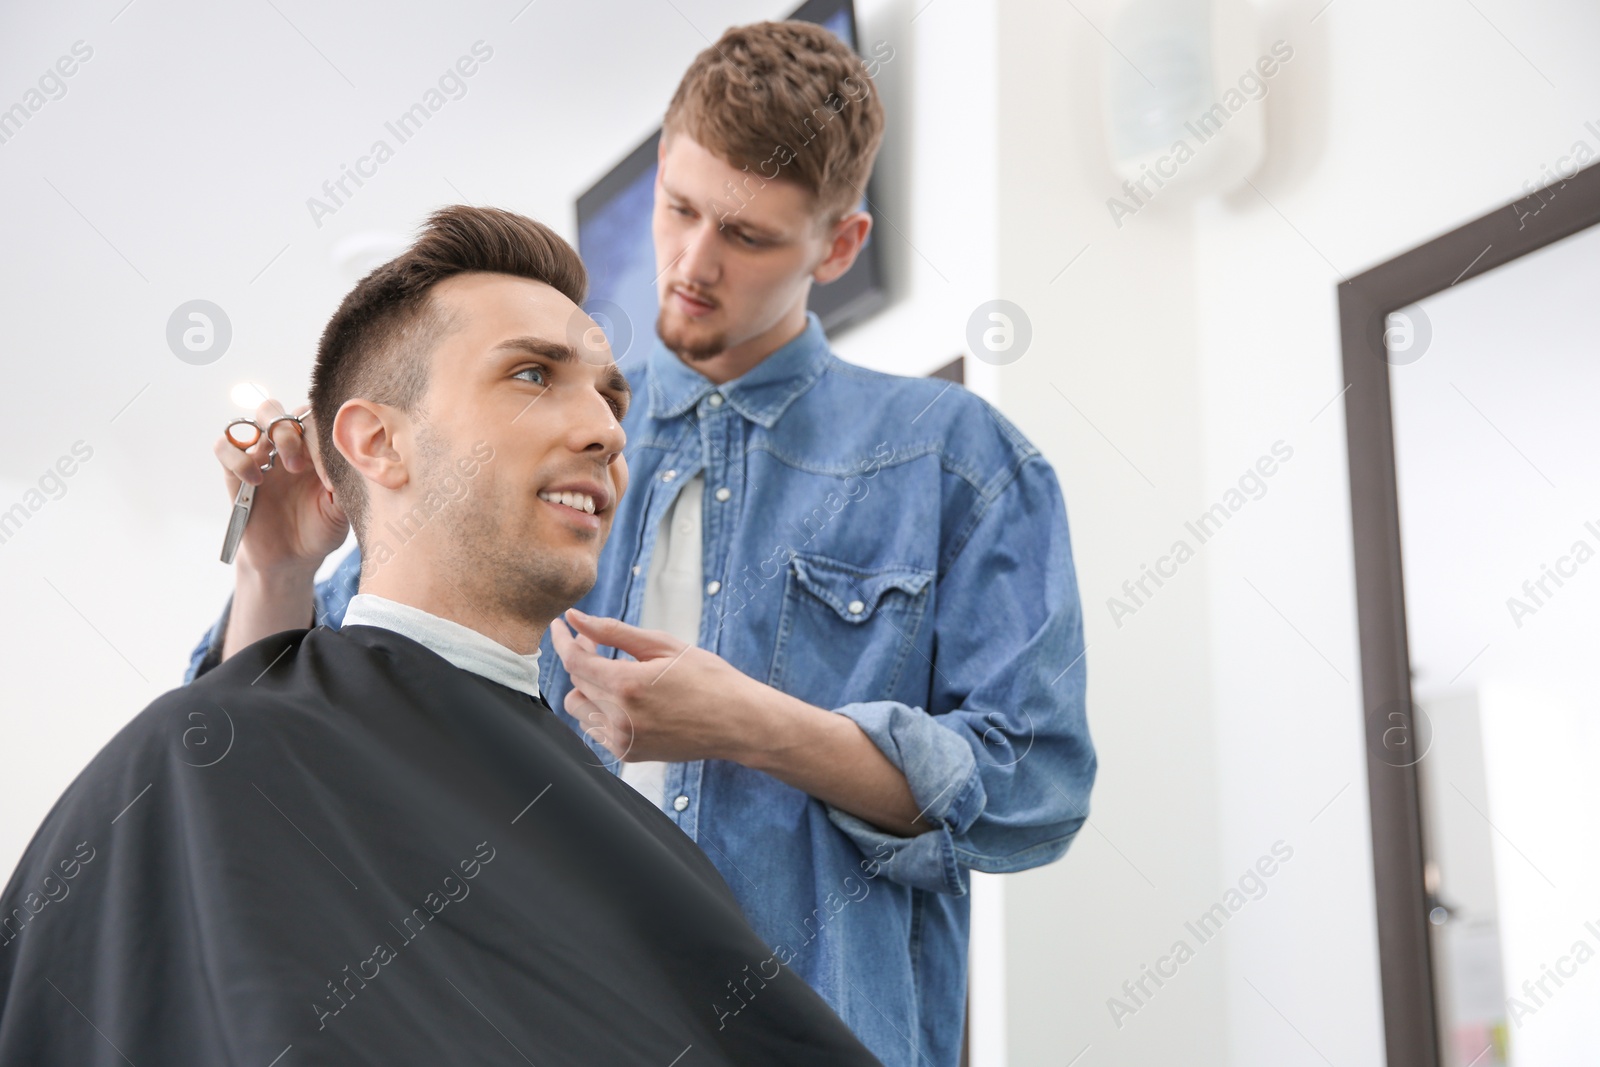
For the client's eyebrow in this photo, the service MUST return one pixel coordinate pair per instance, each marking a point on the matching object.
(558, 352)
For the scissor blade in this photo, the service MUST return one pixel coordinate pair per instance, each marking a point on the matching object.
(236, 522)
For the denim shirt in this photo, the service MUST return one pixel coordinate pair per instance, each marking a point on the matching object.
(891, 549)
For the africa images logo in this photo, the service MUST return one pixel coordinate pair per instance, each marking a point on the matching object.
(451, 85)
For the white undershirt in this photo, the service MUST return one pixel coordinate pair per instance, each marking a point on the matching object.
(672, 603)
(460, 645)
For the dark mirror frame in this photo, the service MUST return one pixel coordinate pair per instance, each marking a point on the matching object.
(1412, 1030)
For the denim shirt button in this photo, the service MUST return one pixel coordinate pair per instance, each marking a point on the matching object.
(724, 493)
(856, 607)
(667, 476)
(681, 803)
(712, 587)
(715, 400)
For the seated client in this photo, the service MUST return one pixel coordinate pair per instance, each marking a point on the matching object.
(379, 845)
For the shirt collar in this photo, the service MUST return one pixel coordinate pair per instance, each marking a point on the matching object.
(459, 645)
(761, 394)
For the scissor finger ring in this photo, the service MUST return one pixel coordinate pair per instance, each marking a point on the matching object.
(244, 434)
(293, 420)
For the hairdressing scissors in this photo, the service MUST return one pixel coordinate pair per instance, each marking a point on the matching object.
(243, 435)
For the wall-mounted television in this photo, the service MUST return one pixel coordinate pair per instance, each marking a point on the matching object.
(614, 234)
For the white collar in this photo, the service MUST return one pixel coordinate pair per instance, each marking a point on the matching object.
(460, 645)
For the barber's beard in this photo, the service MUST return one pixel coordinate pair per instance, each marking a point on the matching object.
(687, 344)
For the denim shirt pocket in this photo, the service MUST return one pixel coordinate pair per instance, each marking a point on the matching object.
(846, 631)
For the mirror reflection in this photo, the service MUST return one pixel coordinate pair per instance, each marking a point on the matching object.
(1493, 383)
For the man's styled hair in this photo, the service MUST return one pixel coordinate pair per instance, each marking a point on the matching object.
(785, 100)
(378, 344)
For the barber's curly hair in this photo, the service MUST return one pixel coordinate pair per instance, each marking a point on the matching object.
(787, 100)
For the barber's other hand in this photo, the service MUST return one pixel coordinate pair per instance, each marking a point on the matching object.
(671, 701)
(294, 522)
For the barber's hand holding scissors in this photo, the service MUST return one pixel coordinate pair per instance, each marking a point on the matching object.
(293, 520)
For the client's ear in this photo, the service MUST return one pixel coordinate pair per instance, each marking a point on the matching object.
(364, 433)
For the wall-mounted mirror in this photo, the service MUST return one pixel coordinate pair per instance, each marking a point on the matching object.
(1475, 481)
(1499, 488)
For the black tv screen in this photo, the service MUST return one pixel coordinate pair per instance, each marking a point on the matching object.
(614, 235)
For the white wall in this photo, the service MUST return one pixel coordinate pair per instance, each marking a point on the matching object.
(1110, 390)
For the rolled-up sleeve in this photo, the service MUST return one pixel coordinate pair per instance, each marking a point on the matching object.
(1000, 763)
(331, 596)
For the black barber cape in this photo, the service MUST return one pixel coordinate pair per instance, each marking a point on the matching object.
(338, 848)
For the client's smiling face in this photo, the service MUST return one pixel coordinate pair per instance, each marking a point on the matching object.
(519, 438)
